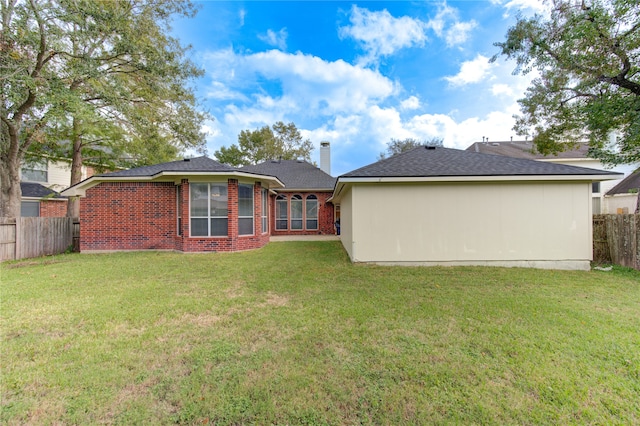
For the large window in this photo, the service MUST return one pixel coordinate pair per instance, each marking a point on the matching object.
(281, 212)
(209, 207)
(265, 211)
(311, 212)
(296, 212)
(35, 171)
(245, 209)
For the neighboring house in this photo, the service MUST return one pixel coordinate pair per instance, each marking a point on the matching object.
(623, 198)
(575, 157)
(301, 207)
(440, 206)
(38, 200)
(41, 181)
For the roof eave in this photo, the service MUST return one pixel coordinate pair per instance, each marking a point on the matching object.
(343, 181)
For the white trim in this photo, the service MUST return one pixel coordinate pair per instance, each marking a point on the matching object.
(80, 189)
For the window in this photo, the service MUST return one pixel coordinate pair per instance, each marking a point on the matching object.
(35, 171)
(30, 208)
(179, 208)
(209, 209)
(245, 209)
(595, 187)
(311, 212)
(265, 211)
(281, 212)
(296, 212)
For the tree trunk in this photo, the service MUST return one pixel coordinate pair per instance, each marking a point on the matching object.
(10, 187)
(10, 160)
(638, 203)
(73, 205)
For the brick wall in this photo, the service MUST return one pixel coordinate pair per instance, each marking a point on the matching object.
(325, 215)
(53, 208)
(128, 216)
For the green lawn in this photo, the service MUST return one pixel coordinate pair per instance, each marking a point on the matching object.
(295, 334)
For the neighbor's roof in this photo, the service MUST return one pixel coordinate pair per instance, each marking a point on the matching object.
(202, 167)
(447, 162)
(295, 174)
(36, 190)
(627, 185)
(527, 150)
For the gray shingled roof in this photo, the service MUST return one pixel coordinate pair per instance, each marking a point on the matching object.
(629, 184)
(198, 164)
(295, 174)
(526, 149)
(433, 162)
(36, 190)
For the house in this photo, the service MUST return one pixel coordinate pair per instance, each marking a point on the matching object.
(441, 206)
(192, 205)
(578, 156)
(623, 198)
(38, 200)
(41, 180)
(301, 206)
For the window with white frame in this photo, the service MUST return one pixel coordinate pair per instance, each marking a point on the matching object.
(179, 209)
(296, 212)
(265, 211)
(245, 209)
(209, 209)
(311, 212)
(281, 212)
(35, 171)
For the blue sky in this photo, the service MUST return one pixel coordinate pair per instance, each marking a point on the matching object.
(356, 74)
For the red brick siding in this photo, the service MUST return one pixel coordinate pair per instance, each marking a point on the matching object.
(325, 215)
(128, 216)
(51, 208)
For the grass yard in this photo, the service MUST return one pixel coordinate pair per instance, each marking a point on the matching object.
(295, 334)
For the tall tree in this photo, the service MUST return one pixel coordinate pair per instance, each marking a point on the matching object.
(397, 146)
(587, 55)
(92, 78)
(278, 141)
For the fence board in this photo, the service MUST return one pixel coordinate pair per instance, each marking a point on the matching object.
(28, 237)
(619, 235)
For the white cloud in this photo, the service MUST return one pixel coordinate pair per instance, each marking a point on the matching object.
(535, 6)
(501, 89)
(276, 39)
(473, 71)
(381, 34)
(459, 32)
(241, 15)
(410, 103)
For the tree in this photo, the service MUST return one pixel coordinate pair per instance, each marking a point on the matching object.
(278, 141)
(587, 54)
(397, 146)
(92, 78)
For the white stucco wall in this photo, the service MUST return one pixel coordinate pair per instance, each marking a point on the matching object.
(543, 224)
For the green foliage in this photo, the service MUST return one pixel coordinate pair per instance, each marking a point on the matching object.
(397, 146)
(278, 141)
(295, 334)
(587, 57)
(95, 80)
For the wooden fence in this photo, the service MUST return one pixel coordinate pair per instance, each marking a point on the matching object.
(26, 237)
(616, 239)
